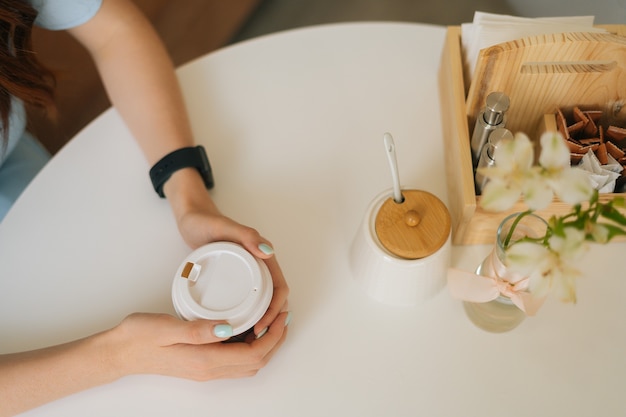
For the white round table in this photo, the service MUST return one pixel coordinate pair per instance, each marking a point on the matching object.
(293, 124)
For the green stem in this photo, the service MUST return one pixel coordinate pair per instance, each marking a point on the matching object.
(509, 235)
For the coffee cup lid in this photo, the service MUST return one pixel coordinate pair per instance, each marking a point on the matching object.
(222, 281)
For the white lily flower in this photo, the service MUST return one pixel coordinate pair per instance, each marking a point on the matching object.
(555, 266)
(556, 276)
(565, 285)
(549, 264)
(571, 185)
(514, 175)
(537, 192)
(515, 155)
(550, 267)
(499, 195)
(600, 233)
(535, 261)
(513, 170)
(571, 246)
(555, 154)
(524, 257)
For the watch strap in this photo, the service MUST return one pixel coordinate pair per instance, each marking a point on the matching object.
(189, 157)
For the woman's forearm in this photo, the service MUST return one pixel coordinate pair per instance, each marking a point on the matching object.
(141, 82)
(139, 77)
(30, 379)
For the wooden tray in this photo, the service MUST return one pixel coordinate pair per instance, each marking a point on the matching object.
(540, 74)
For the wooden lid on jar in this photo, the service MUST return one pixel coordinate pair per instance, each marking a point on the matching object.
(415, 228)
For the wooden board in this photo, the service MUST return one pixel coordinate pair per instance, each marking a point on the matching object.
(541, 73)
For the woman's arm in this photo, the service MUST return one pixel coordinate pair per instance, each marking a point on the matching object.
(142, 85)
(141, 82)
(141, 344)
(29, 379)
(138, 76)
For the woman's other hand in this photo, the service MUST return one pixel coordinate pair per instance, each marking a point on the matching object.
(200, 222)
(161, 344)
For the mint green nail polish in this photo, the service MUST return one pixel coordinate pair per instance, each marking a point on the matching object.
(288, 319)
(261, 333)
(266, 249)
(223, 330)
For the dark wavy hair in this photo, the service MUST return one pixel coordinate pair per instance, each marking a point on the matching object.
(21, 74)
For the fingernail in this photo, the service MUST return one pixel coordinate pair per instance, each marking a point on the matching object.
(261, 333)
(266, 249)
(223, 330)
(288, 319)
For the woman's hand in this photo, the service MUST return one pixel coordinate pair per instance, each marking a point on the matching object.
(200, 222)
(140, 344)
(161, 344)
(200, 227)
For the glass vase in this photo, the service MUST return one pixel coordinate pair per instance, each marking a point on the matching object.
(502, 315)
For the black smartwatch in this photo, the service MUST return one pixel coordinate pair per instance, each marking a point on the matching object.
(191, 157)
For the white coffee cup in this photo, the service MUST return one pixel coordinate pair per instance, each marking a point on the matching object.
(223, 281)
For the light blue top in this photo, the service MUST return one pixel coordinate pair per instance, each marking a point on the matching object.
(64, 14)
(17, 125)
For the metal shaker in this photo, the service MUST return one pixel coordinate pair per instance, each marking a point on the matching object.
(487, 155)
(489, 119)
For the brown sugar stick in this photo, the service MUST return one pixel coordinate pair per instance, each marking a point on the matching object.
(561, 124)
(616, 133)
(614, 150)
(601, 153)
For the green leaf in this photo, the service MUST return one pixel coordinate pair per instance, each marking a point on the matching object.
(613, 214)
(619, 202)
(614, 231)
